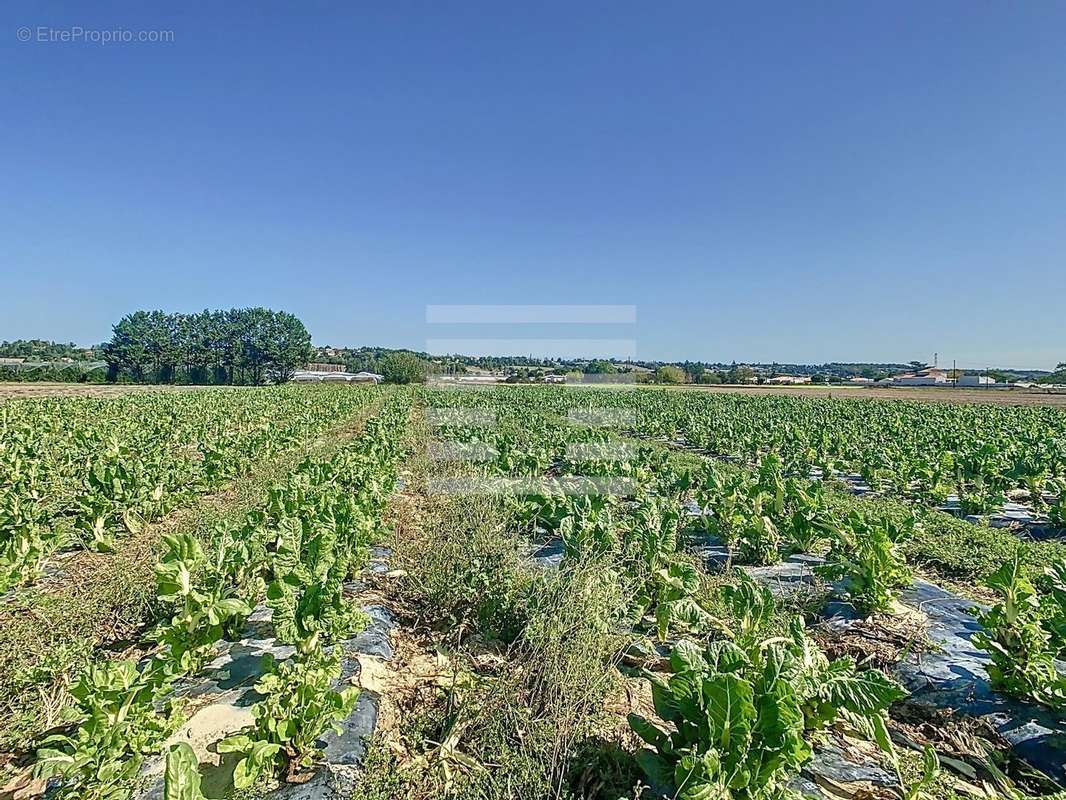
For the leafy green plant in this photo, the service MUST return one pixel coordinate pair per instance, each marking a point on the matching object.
(1054, 609)
(808, 520)
(867, 554)
(739, 709)
(668, 583)
(118, 722)
(590, 529)
(721, 497)
(930, 772)
(738, 717)
(757, 540)
(737, 733)
(202, 609)
(22, 548)
(838, 689)
(671, 591)
(751, 606)
(744, 513)
(541, 510)
(307, 593)
(1057, 511)
(299, 704)
(1014, 636)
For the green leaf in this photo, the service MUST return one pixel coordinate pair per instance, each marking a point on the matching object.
(864, 693)
(181, 781)
(656, 768)
(649, 732)
(686, 656)
(730, 710)
(238, 743)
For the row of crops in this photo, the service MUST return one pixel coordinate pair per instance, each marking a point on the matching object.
(745, 689)
(983, 454)
(83, 472)
(744, 695)
(737, 706)
(291, 557)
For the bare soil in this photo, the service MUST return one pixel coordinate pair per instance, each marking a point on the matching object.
(17, 391)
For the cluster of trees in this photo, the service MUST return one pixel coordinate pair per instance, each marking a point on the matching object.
(1058, 376)
(695, 372)
(77, 372)
(401, 367)
(397, 366)
(44, 350)
(239, 346)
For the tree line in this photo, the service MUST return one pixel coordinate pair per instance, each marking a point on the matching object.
(42, 350)
(238, 346)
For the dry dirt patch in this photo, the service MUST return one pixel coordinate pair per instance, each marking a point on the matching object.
(19, 391)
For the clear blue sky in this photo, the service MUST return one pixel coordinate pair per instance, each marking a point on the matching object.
(790, 181)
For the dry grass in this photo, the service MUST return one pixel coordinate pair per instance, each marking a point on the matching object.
(503, 674)
(20, 391)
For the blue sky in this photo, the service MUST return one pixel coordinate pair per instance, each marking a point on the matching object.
(790, 181)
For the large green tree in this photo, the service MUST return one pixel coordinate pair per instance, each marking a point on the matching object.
(242, 345)
(286, 346)
(403, 368)
(670, 374)
(600, 367)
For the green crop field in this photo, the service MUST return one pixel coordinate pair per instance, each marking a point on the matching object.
(538, 592)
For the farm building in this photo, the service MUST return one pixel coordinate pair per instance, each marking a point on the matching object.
(976, 380)
(925, 377)
(470, 380)
(789, 380)
(367, 377)
(555, 379)
(861, 381)
(334, 376)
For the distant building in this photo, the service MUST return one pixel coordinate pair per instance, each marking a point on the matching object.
(335, 376)
(11, 362)
(924, 377)
(555, 379)
(976, 380)
(857, 381)
(367, 377)
(789, 380)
